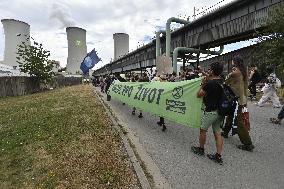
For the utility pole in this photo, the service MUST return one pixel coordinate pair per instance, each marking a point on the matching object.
(194, 13)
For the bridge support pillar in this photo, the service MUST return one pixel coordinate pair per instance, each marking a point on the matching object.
(158, 42)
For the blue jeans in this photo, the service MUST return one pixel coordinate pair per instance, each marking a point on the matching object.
(281, 113)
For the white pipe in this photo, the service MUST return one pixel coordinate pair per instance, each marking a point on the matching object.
(168, 32)
(158, 42)
(192, 50)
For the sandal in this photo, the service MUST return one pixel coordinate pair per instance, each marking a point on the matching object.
(216, 158)
(197, 150)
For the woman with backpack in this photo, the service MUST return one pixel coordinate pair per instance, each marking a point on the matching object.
(237, 80)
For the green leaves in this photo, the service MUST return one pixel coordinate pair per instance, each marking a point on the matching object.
(270, 49)
(33, 59)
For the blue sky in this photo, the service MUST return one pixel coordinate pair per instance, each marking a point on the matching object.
(139, 18)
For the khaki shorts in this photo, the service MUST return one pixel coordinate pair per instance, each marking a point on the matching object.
(211, 118)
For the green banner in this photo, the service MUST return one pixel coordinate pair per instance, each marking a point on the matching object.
(175, 101)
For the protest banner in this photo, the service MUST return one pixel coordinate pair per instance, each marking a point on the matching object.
(175, 101)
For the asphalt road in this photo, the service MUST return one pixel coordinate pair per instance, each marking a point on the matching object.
(170, 150)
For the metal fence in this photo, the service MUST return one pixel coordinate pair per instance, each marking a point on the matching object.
(18, 86)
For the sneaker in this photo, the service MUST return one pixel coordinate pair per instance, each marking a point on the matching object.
(253, 98)
(275, 121)
(140, 115)
(216, 158)
(133, 112)
(160, 123)
(197, 150)
(246, 147)
(224, 135)
(164, 127)
(276, 106)
(260, 105)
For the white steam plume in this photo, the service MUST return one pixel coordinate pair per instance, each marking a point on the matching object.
(62, 14)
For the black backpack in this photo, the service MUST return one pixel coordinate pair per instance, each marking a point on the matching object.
(227, 102)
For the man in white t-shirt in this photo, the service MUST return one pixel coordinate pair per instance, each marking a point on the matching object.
(269, 90)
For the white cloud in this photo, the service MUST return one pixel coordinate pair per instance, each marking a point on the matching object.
(139, 18)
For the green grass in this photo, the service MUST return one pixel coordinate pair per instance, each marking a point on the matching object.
(60, 139)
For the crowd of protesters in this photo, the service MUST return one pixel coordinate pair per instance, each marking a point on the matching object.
(239, 80)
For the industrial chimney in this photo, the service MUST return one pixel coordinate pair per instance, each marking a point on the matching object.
(15, 32)
(77, 49)
(121, 44)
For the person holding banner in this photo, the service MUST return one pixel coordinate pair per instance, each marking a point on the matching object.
(211, 92)
(108, 80)
(142, 78)
(161, 122)
(135, 78)
(237, 80)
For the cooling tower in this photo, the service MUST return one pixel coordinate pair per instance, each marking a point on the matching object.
(15, 32)
(77, 49)
(121, 44)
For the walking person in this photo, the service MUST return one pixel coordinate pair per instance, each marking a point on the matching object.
(269, 90)
(108, 80)
(280, 115)
(211, 92)
(254, 79)
(237, 80)
(102, 84)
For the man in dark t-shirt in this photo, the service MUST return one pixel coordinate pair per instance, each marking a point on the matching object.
(254, 79)
(211, 92)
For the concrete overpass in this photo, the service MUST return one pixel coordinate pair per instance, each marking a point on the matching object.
(245, 53)
(236, 21)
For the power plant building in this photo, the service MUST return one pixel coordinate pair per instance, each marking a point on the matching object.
(121, 44)
(15, 32)
(77, 49)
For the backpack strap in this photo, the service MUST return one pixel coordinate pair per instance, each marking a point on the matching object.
(235, 126)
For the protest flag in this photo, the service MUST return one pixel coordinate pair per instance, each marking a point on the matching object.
(89, 61)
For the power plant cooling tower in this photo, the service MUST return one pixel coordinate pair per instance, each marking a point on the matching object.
(121, 44)
(15, 32)
(77, 49)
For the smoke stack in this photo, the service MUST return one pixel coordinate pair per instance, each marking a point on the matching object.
(121, 44)
(77, 49)
(15, 32)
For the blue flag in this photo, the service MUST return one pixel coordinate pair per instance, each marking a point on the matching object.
(89, 61)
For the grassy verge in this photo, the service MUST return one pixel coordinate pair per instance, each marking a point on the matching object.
(60, 139)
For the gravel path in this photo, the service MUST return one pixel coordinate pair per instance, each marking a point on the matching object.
(170, 150)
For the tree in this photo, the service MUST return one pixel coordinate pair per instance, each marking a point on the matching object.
(33, 59)
(270, 48)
